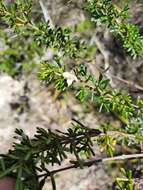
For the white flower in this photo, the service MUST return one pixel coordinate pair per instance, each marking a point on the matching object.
(70, 77)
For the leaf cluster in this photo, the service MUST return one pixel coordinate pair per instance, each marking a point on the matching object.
(115, 19)
(29, 159)
(16, 59)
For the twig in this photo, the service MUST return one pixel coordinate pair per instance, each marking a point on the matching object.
(103, 51)
(111, 133)
(129, 83)
(46, 14)
(106, 56)
(88, 163)
(123, 157)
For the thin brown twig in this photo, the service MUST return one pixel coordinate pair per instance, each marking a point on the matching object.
(94, 160)
(129, 83)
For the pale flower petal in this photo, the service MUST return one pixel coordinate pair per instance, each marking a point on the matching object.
(70, 77)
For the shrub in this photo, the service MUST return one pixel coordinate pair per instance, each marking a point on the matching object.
(27, 161)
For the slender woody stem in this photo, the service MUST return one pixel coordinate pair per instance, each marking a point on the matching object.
(90, 162)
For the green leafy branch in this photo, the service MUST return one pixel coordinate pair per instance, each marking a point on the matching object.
(32, 156)
(115, 19)
(86, 87)
(17, 16)
(29, 159)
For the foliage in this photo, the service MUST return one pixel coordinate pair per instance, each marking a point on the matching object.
(29, 159)
(127, 182)
(37, 36)
(115, 19)
(15, 58)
